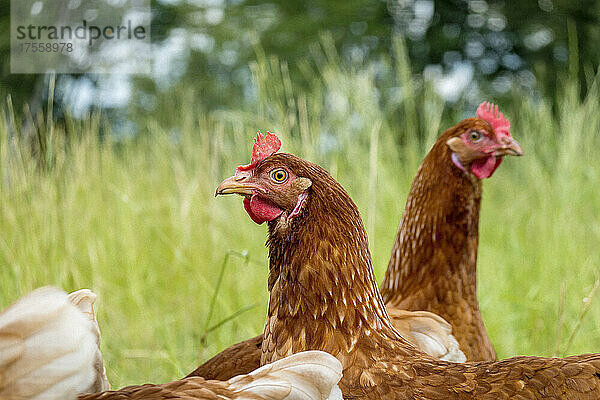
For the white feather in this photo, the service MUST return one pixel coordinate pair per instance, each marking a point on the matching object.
(439, 342)
(47, 348)
(429, 332)
(310, 375)
(84, 300)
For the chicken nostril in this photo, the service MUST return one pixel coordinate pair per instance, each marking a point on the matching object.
(240, 176)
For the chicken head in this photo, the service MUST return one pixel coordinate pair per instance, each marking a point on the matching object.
(270, 188)
(478, 144)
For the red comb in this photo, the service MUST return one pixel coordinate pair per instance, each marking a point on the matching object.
(264, 146)
(489, 112)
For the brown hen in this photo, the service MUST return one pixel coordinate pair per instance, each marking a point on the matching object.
(433, 261)
(323, 295)
(433, 265)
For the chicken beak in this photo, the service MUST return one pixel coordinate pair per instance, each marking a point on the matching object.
(510, 147)
(236, 185)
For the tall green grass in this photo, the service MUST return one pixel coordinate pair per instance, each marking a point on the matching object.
(136, 220)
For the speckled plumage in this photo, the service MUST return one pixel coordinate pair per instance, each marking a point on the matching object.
(425, 330)
(323, 296)
(433, 265)
(192, 388)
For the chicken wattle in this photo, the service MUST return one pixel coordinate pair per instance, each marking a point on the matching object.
(261, 210)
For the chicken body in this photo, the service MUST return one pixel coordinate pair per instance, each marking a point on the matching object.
(323, 295)
(311, 375)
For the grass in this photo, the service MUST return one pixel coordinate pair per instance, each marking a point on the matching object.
(136, 220)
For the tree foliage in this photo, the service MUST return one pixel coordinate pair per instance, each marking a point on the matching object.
(207, 45)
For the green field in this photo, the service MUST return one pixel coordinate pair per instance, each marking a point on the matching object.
(136, 220)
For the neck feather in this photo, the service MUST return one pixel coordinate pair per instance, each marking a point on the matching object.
(323, 293)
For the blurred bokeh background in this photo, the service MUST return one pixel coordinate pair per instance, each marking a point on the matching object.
(107, 181)
(467, 49)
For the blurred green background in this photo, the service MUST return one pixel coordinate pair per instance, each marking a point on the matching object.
(107, 181)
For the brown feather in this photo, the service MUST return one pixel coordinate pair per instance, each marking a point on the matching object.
(190, 388)
(434, 258)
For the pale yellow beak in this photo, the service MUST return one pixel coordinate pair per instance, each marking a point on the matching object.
(510, 148)
(236, 185)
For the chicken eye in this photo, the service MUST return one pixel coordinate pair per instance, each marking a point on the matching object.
(279, 175)
(475, 136)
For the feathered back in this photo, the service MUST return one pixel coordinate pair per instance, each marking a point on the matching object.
(310, 375)
(47, 348)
